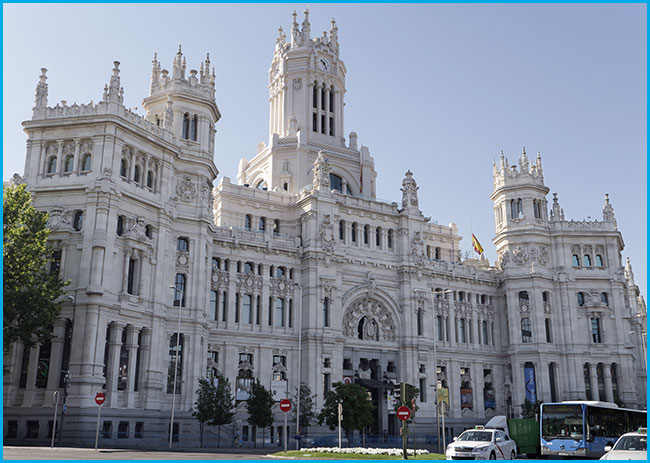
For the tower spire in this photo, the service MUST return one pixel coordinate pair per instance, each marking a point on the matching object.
(334, 37)
(608, 211)
(113, 92)
(295, 31)
(177, 67)
(306, 27)
(155, 72)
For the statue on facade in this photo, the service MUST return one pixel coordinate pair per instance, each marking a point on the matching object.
(321, 173)
(409, 191)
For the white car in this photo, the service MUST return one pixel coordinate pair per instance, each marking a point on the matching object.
(630, 446)
(482, 444)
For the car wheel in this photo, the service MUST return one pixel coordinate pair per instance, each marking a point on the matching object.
(513, 456)
(493, 456)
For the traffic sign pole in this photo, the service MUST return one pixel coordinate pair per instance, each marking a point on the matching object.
(99, 400)
(285, 406)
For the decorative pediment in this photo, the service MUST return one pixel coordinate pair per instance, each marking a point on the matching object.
(368, 319)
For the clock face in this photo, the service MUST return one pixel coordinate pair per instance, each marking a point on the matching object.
(323, 64)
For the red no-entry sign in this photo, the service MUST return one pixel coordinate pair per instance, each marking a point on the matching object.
(285, 405)
(100, 398)
(403, 413)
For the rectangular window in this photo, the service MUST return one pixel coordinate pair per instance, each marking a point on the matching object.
(107, 430)
(331, 126)
(258, 310)
(314, 122)
(485, 332)
(551, 379)
(182, 244)
(290, 321)
(327, 382)
(595, 330)
(279, 312)
(175, 348)
(139, 430)
(547, 325)
(43, 367)
(213, 305)
(136, 380)
(439, 328)
(123, 368)
(423, 390)
(179, 290)
(322, 123)
(247, 309)
(419, 322)
(55, 263)
(331, 101)
(123, 430)
(224, 308)
(326, 312)
(32, 429)
(130, 288)
(461, 329)
(12, 429)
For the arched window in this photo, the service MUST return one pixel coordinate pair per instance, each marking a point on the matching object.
(150, 179)
(194, 123)
(354, 232)
(436, 254)
(483, 298)
(461, 296)
(213, 305)
(520, 208)
(51, 165)
(179, 290)
(276, 227)
(261, 185)
(581, 298)
(587, 260)
(123, 168)
(186, 126)
(575, 260)
(342, 230)
(513, 209)
(336, 183)
(148, 231)
(248, 222)
(523, 296)
(599, 260)
(366, 229)
(378, 236)
(280, 272)
(262, 224)
(360, 327)
(136, 174)
(314, 97)
(85, 163)
(545, 297)
(248, 268)
(390, 239)
(526, 333)
(604, 299)
(78, 220)
(69, 164)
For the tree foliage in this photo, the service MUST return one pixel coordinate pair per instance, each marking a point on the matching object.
(30, 290)
(214, 404)
(307, 412)
(260, 407)
(531, 409)
(357, 408)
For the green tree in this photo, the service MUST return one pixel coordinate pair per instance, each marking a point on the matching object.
(260, 408)
(224, 405)
(307, 412)
(205, 404)
(357, 408)
(530, 409)
(30, 289)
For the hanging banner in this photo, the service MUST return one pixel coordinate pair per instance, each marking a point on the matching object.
(529, 381)
(466, 398)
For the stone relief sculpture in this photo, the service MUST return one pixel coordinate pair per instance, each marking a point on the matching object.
(321, 173)
(186, 189)
(326, 234)
(417, 248)
(409, 191)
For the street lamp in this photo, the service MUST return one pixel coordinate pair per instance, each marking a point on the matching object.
(435, 365)
(178, 342)
(299, 287)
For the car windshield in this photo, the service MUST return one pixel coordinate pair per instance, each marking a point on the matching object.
(562, 421)
(476, 436)
(632, 443)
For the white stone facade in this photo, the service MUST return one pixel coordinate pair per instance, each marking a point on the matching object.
(299, 247)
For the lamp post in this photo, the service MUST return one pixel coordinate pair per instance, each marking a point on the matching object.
(178, 342)
(435, 362)
(299, 287)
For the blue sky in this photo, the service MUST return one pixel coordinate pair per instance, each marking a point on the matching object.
(439, 89)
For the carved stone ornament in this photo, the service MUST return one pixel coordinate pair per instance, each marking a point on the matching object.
(57, 220)
(297, 84)
(249, 282)
(519, 255)
(137, 230)
(220, 279)
(417, 248)
(504, 259)
(371, 284)
(186, 189)
(542, 255)
(326, 234)
(182, 259)
(409, 191)
(442, 306)
(524, 307)
(377, 323)
(321, 179)
(281, 286)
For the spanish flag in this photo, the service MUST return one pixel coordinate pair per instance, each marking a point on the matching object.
(477, 246)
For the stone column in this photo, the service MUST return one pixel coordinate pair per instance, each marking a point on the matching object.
(32, 367)
(384, 239)
(593, 380)
(76, 164)
(477, 386)
(132, 349)
(453, 381)
(146, 173)
(607, 377)
(327, 111)
(113, 363)
(59, 157)
(348, 233)
(56, 356)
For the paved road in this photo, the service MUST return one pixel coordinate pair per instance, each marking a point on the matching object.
(67, 453)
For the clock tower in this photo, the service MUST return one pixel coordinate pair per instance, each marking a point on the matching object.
(306, 102)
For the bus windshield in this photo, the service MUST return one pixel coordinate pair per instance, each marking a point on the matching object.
(563, 422)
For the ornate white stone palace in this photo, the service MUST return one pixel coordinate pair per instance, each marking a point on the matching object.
(298, 271)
